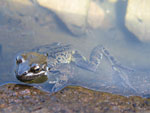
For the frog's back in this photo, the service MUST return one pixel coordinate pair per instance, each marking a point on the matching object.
(54, 49)
(57, 53)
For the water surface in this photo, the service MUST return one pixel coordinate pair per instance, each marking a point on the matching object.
(24, 30)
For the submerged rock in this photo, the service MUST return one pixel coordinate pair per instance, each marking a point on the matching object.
(95, 16)
(76, 14)
(72, 13)
(26, 99)
(138, 18)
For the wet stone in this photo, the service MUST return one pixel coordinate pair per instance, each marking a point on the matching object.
(26, 99)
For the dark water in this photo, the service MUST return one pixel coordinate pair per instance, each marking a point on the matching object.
(31, 26)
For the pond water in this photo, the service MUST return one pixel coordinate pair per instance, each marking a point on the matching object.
(32, 26)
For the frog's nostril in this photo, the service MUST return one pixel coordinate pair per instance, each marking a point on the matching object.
(25, 73)
(20, 73)
(19, 59)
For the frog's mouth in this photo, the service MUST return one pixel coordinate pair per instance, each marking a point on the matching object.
(31, 77)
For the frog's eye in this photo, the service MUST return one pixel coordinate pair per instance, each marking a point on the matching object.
(19, 59)
(35, 68)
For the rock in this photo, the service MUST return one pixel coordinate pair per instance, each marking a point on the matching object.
(137, 18)
(25, 99)
(72, 13)
(95, 16)
(14, 8)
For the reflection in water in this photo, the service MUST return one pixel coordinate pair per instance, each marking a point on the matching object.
(129, 74)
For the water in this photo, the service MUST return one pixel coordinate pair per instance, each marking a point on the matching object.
(31, 26)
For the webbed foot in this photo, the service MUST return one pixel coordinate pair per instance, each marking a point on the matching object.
(59, 77)
(122, 72)
(59, 83)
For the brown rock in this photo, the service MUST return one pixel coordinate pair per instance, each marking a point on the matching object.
(26, 99)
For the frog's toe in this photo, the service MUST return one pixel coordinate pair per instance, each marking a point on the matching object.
(57, 87)
(54, 89)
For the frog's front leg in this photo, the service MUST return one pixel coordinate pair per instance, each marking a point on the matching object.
(60, 83)
(58, 80)
(59, 76)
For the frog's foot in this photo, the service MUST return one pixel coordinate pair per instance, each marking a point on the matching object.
(59, 76)
(115, 64)
(120, 70)
(58, 80)
(59, 83)
(121, 79)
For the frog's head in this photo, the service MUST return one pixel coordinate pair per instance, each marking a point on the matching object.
(31, 67)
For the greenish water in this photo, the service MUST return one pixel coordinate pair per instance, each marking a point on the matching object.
(23, 30)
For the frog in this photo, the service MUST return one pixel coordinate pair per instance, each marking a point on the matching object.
(53, 63)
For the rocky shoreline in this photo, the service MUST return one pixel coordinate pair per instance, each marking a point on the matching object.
(26, 99)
